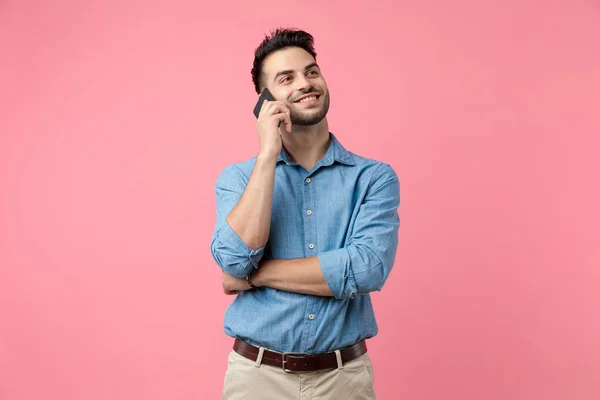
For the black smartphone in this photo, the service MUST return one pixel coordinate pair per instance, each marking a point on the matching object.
(264, 95)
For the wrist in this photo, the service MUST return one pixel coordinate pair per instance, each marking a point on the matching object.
(267, 157)
(258, 274)
(250, 279)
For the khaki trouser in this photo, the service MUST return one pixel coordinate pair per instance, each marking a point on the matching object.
(249, 380)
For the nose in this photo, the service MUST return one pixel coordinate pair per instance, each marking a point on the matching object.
(301, 82)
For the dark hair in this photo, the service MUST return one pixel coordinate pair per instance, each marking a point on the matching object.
(279, 39)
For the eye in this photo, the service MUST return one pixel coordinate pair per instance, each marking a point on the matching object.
(313, 73)
(285, 79)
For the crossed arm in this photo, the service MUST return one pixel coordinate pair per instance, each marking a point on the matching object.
(361, 267)
(302, 275)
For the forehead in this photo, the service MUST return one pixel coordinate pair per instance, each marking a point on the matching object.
(292, 58)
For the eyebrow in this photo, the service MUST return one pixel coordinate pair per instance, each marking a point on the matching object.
(291, 71)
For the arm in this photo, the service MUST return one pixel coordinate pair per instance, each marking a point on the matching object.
(255, 205)
(244, 210)
(237, 255)
(365, 263)
(361, 267)
(302, 275)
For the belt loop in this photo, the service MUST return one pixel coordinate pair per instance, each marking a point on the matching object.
(259, 358)
(338, 357)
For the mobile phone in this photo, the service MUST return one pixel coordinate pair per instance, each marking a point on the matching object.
(265, 95)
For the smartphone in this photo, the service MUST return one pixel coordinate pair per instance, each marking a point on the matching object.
(264, 95)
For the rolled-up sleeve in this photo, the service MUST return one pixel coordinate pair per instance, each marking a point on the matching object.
(365, 263)
(228, 249)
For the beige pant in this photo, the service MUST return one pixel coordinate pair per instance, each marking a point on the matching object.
(245, 380)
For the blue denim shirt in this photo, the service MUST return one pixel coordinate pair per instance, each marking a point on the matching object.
(345, 211)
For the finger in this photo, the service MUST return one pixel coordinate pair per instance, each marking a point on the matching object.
(262, 107)
(266, 107)
(280, 118)
(284, 118)
(281, 107)
(288, 122)
(275, 107)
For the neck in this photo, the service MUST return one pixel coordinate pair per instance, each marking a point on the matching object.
(306, 145)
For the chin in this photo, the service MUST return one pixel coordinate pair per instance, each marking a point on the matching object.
(309, 119)
(307, 122)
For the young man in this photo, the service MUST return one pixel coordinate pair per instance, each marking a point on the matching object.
(304, 232)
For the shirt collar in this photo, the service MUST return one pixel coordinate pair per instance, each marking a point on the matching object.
(335, 152)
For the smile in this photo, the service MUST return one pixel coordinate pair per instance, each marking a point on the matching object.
(308, 99)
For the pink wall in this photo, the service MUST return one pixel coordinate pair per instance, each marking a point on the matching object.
(116, 118)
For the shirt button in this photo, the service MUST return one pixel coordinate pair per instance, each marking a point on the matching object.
(311, 246)
(311, 316)
(307, 180)
(308, 212)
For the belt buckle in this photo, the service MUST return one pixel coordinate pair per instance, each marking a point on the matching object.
(292, 354)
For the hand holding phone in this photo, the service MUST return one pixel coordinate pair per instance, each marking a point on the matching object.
(265, 95)
(270, 113)
(279, 109)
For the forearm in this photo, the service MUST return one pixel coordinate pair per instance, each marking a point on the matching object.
(251, 217)
(301, 275)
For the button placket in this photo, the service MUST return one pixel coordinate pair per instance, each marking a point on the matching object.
(310, 229)
(309, 197)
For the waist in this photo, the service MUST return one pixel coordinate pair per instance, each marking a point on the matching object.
(290, 322)
(300, 362)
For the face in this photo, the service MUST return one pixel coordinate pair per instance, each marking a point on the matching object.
(293, 77)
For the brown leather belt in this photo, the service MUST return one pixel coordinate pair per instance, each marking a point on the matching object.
(300, 362)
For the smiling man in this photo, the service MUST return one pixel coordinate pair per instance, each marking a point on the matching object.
(304, 232)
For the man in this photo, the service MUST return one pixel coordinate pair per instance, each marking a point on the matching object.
(304, 232)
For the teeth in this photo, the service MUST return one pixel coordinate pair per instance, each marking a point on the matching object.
(306, 99)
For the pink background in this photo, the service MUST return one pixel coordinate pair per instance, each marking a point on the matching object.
(116, 117)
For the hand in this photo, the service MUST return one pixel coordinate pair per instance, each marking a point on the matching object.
(233, 285)
(272, 114)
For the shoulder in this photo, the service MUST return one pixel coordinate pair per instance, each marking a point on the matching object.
(376, 170)
(236, 172)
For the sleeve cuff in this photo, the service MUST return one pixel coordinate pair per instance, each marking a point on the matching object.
(335, 265)
(239, 247)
